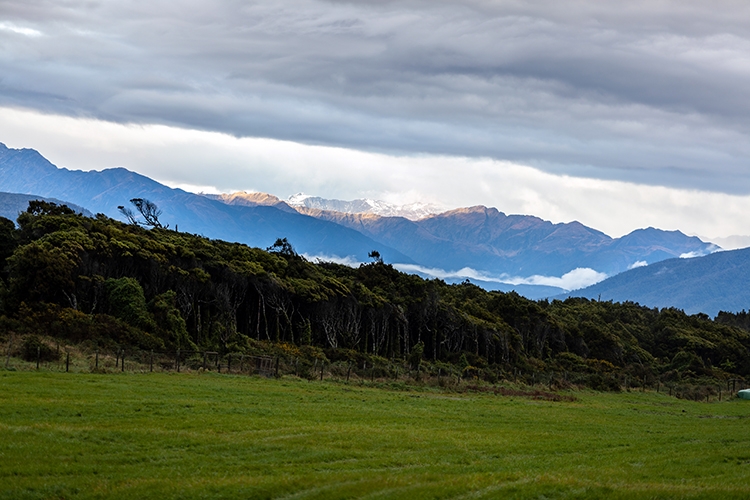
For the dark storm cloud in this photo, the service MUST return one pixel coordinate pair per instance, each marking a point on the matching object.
(650, 92)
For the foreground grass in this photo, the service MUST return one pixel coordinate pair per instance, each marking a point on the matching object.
(213, 436)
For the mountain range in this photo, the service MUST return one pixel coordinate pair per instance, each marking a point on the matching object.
(488, 243)
(498, 251)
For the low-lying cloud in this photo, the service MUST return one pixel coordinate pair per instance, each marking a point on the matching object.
(572, 280)
(350, 260)
(700, 253)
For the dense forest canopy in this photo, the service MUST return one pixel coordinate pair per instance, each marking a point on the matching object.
(100, 280)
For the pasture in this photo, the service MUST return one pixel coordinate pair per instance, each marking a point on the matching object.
(205, 435)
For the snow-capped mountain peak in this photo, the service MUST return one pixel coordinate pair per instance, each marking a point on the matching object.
(413, 211)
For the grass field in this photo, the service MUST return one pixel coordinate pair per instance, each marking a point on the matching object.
(218, 436)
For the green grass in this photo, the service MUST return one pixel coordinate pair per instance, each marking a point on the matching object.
(215, 436)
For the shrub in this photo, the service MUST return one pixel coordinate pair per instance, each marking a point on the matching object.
(33, 346)
(600, 382)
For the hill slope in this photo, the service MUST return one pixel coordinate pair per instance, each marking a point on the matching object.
(704, 284)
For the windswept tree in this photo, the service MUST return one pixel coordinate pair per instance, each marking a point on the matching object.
(129, 215)
(375, 256)
(148, 210)
(282, 247)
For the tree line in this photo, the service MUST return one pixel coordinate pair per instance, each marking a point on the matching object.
(101, 281)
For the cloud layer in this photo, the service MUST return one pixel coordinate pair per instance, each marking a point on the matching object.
(646, 92)
(214, 162)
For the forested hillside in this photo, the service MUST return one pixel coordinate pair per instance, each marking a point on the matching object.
(100, 281)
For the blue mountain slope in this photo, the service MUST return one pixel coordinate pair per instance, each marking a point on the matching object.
(703, 284)
(26, 171)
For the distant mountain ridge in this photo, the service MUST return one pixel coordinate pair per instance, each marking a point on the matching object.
(255, 199)
(706, 284)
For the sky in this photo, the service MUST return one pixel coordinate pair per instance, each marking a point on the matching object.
(617, 114)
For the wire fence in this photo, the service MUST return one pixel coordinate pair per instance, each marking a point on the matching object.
(133, 360)
(64, 358)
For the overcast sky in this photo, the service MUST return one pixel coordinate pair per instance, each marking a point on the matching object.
(617, 114)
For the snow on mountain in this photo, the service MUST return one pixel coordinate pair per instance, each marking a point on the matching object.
(411, 211)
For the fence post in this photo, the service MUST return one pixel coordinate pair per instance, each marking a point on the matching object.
(229, 364)
(204, 360)
(348, 371)
(10, 348)
(96, 363)
(122, 361)
(321, 370)
(67, 362)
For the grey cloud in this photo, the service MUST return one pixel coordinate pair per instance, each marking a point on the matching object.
(651, 92)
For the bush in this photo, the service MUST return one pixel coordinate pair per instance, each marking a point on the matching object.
(600, 382)
(33, 346)
(572, 362)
